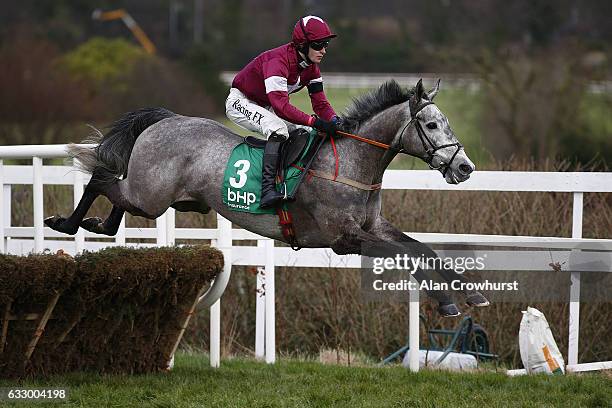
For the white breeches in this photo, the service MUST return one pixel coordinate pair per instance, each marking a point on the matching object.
(249, 115)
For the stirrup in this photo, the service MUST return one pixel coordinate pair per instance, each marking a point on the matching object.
(284, 190)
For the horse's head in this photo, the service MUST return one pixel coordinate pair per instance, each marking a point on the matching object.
(434, 141)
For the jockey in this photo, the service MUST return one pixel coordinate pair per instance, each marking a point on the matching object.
(259, 97)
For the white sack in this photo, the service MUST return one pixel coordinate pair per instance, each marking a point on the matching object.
(453, 361)
(539, 351)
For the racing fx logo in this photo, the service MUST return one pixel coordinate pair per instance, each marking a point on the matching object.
(254, 117)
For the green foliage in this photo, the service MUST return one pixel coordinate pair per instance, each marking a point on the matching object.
(120, 75)
(102, 60)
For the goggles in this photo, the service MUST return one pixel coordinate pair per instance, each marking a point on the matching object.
(319, 45)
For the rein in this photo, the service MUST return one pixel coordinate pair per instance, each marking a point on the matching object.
(363, 139)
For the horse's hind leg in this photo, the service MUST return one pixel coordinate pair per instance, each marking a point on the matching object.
(109, 226)
(98, 185)
(71, 224)
(121, 204)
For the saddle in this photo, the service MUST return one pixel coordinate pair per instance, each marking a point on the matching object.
(291, 149)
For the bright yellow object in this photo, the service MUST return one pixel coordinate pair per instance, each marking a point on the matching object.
(130, 23)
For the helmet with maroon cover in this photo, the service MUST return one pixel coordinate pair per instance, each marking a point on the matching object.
(309, 29)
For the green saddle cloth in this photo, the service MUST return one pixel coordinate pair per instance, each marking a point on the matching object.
(241, 189)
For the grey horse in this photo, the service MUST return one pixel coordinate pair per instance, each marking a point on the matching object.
(153, 159)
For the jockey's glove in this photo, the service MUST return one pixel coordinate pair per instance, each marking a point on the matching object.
(339, 122)
(325, 126)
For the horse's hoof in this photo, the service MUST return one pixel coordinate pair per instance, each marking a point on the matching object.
(449, 310)
(476, 299)
(57, 223)
(93, 224)
(52, 222)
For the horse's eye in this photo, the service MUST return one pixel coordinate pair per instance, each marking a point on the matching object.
(432, 125)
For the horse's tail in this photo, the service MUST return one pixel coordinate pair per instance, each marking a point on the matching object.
(110, 157)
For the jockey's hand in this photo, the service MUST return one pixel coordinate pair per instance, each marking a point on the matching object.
(339, 123)
(326, 127)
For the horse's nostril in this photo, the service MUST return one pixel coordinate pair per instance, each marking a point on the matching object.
(465, 168)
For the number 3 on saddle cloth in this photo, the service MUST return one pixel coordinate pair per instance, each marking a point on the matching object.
(241, 189)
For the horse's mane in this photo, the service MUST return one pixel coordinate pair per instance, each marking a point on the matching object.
(377, 100)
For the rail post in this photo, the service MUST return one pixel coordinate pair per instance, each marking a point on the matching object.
(270, 304)
(77, 192)
(37, 197)
(413, 327)
(574, 307)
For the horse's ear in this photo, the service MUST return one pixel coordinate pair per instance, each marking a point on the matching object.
(416, 97)
(434, 91)
(419, 89)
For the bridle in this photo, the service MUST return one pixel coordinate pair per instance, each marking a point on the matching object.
(432, 149)
(396, 145)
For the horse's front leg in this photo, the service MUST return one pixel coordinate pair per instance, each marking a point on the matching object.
(353, 242)
(387, 232)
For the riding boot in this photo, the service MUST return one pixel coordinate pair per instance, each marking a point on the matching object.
(269, 196)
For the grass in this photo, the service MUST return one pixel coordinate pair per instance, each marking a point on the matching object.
(462, 107)
(292, 383)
